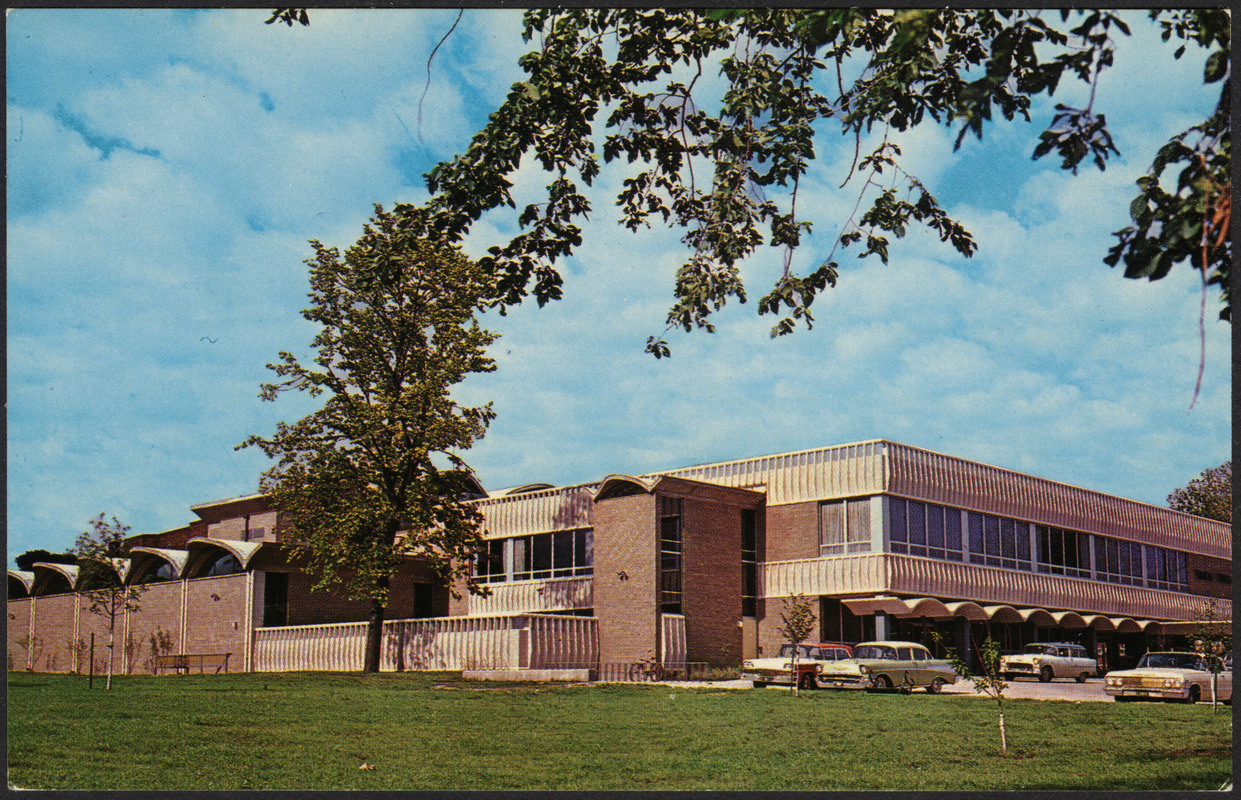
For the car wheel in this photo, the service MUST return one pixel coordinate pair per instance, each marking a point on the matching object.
(935, 685)
(760, 684)
(1195, 694)
(1045, 675)
(880, 683)
(1082, 678)
(807, 681)
(1120, 699)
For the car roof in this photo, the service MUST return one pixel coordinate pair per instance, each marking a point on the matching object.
(1056, 644)
(892, 643)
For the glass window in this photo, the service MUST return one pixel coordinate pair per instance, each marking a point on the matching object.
(905, 654)
(952, 533)
(935, 527)
(897, 535)
(1008, 543)
(991, 528)
(857, 525)
(562, 554)
(541, 555)
(584, 549)
(832, 529)
(670, 555)
(977, 550)
(917, 528)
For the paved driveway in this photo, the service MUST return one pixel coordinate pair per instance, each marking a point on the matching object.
(1089, 692)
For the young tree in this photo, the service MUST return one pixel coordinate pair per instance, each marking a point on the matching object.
(98, 550)
(799, 621)
(990, 682)
(1209, 495)
(374, 476)
(1212, 638)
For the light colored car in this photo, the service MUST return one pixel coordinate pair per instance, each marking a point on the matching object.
(1048, 660)
(1183, 677)
(878, 666)
(779, 668)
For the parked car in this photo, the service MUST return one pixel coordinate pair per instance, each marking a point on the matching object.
(1183, 677)
(878, 666)
(1048, 660)
(779, 668)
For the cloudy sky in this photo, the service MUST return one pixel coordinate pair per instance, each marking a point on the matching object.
(166, 169)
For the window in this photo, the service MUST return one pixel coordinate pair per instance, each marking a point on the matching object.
(924, 529)
(999, 541)
(560, 554)
(160, 571)
(844, 527)
(749, 563)
(1117, 561)
(669, 554)
(1061, 552)
(275, 599)
(1166, 569)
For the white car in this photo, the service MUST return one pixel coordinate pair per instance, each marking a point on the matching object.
(1048, 660)
(1183, 677)
(779, 669)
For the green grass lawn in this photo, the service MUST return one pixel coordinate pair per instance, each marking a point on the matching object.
(435, 731)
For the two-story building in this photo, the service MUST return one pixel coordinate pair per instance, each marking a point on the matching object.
(696, 565)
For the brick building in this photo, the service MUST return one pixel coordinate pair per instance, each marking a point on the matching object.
(691, 565)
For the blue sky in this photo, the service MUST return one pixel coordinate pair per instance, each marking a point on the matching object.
(167, 167)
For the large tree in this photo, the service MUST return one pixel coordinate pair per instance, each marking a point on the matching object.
(1208, 495)
(99, 551)
(375, 476)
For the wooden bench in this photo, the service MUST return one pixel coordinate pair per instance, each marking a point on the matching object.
(183, 664)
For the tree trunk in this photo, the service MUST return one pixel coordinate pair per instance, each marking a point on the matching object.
(796, 677)
(374, 637)
(1003, 735)
(111, 649)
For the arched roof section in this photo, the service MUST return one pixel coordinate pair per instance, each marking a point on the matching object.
(968, 610)
(41, 570)
(142, 556)
(623, 486)
(1003, 614)
(1069, 619)
(23, 578)
(118, 565)
(1126, 625)
(242, 551)
(529, 487)
(1099, 622)
(1038, 616)
(928, 607)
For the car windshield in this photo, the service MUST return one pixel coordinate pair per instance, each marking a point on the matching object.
(881, 651)
(803, 651)
(1039, 650)
(1171, 661)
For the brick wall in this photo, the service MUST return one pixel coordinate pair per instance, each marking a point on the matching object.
(19, 630)
(711, 581)
(213, 607)
(160, 612)
(628, 611)
(792, 531)
(53, 633)
(1217, 568)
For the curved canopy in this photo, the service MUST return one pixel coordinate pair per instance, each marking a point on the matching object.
(143, 555)
(1099, 622)
(1038, 616)
(968, 610)
(242, 551)
(68, 571)
(1003, 613)
(1126, 624)
(623, 486)
(1069, 619)
(26, 579)
(529, 487)
(928, 607)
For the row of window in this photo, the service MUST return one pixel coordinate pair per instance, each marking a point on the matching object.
(669, 511)
(844, 527)
(560, 554)
(927, 529)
